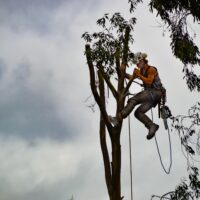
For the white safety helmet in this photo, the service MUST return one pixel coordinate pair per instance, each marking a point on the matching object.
(139, 56)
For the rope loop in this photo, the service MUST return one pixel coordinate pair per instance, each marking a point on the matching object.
(158, 150)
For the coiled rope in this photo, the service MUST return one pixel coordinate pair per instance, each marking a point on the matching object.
(158, 150)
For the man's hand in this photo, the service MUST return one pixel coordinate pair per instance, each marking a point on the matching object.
(136, 72)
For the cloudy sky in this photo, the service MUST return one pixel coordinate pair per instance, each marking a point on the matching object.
(49, 143)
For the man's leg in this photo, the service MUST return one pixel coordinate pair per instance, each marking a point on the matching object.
(132, 102)
(139, 98)
(141, 116)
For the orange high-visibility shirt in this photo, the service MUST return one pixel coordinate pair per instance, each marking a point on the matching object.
(148, 78)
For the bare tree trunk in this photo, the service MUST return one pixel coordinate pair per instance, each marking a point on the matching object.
(116, 166)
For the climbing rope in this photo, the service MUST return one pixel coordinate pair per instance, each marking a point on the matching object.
(170, 149)
(130, 155)
(170, 165)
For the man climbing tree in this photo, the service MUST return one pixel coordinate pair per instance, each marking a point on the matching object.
(152, 94)
(177, 17)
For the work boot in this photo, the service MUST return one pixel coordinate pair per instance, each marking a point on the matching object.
(113, 120)
(152, 131)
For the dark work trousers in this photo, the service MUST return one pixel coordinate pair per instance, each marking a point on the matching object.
(147, 99)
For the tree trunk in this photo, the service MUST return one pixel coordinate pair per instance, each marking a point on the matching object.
(113, 179)
(116, 165)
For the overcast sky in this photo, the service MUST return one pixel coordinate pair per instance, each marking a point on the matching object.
(49, 142)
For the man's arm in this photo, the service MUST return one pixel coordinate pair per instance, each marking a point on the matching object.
(150, 76)
(128, 76)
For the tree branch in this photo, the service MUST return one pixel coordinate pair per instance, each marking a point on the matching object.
(94, 88)
(110, 85)
(104, 149)
(128, 85)
(163, 196)
(124, 59)
(125, 49)
(117, 58)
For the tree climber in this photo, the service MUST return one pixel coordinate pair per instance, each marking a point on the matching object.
(153, 94)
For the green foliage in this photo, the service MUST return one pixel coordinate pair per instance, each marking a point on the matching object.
(185, 49)
(167, 7)
(188, 191)
(175, 15)
(189, 130)
(189, 133)
(181, 192)
(108, 43)
(192, 80)
(133, 4)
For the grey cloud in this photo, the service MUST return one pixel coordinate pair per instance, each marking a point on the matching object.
(48, 171)
(27, 14)
(67, 187)
(22, 4)
(38, 15)
(22, 72)
(61, 190)
(31, 112)
(2, 68)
